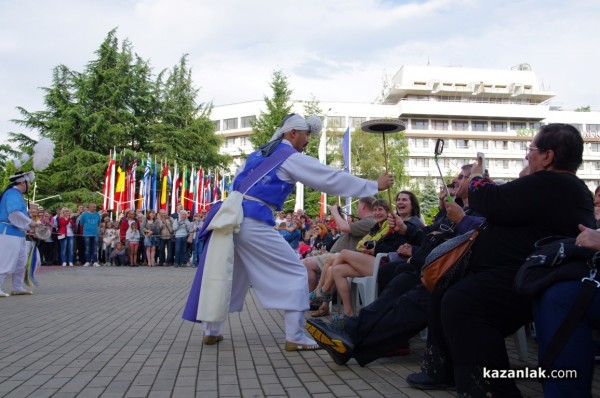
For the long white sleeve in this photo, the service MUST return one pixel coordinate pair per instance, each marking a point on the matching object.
(19, 220)
(308, 170)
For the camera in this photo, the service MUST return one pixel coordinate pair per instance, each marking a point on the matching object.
(370, 244)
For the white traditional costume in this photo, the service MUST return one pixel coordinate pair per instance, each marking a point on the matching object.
(261, 258)
(14, 221)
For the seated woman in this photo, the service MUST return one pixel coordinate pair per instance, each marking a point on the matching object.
(469, 321)
(549, 310)
(381, 240)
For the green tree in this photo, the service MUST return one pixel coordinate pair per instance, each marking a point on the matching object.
(115, 103)
(278, 106)
(583, 109)
(183, 130)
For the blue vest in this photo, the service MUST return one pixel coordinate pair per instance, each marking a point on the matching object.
(12, 200)
(270, 189)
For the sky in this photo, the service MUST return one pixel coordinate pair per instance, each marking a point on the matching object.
(334, 50)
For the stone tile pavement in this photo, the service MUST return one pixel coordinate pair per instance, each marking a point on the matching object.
(118, 332)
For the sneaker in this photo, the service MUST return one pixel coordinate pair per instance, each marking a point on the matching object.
(96, 264)
(422, 381)
(2, 294)
(64, 264)
(86, 264)
(210, 340)
(332, 338)
(70, 264)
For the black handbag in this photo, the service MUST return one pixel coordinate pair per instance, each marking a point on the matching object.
(558, 259)
(555, 259)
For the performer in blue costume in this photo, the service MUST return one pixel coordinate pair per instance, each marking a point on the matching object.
(261, 257)
(14, 221)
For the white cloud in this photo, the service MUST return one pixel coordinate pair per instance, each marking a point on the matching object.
(334, 50)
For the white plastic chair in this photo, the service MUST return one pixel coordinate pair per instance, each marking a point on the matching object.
(364, 289)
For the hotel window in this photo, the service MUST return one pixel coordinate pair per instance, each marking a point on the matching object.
(482, 144)
(521, 145)
(462, 144)
(439, 124)
(336, 122)
(460, 125)
(217, 125)
(592, 128)
(230, 142)
(422, 162)
(243, 141)
(477, 125)
(595, 146)
(535, 125)
(420, 124)
(230, 124)
(596, 165)
(247, 121)
(505, 164)
(578, 126)
(518, 125)
(356, 121)
(418, 142)
(498, 126)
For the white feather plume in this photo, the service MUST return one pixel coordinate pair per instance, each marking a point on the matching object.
(17, 163)
(43, 153)
(24, 157)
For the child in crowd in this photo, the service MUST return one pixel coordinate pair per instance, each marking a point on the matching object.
(118, 254)
(133, 237)
(111, 234)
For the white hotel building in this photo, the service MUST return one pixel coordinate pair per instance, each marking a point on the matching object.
(473, 110)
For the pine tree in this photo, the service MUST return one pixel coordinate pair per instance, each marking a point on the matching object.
(278, 106)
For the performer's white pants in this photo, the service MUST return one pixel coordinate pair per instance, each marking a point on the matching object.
(265, 261)
(15, 260)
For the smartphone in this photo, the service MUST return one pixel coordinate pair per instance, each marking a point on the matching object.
(483, 165)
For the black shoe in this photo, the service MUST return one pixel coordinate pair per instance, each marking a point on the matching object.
(423, 381)
(333, 339)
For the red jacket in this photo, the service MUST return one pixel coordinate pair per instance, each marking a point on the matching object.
(62, 225)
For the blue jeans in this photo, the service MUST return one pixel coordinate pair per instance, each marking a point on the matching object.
(163, 244)
(180, 251)
(66, 249)
(198, 249)
(91, 249)
(548, 313)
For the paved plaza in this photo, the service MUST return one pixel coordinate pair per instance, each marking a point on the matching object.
(118, 332)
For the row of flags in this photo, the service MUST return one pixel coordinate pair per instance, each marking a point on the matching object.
(161, 186)
(165, 187)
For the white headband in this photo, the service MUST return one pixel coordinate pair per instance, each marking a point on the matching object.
(26, 176)
(312, 124)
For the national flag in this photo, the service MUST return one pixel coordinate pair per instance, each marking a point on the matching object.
(132, 181)
(147, 184)
(215, 194)
(153, 193)
(175, 190)
(165, 186)
(346, 149)
(207, 193)
(111, 192)
(184, 186)
(108, 186)
(190, 193)
(119, 188)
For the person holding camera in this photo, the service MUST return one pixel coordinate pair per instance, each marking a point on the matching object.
(358, 262)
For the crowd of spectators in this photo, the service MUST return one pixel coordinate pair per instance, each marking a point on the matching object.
(88, 237)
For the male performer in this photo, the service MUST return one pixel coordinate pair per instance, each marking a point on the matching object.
(14, 221)
(261, 257)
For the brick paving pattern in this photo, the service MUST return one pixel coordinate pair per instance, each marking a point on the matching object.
(117, 332)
